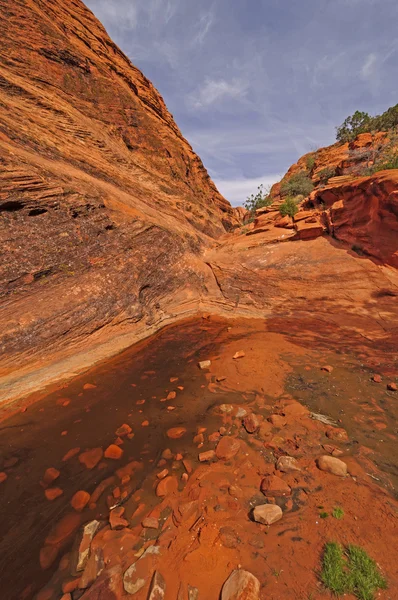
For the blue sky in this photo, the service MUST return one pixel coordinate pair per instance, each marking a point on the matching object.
(254, 84)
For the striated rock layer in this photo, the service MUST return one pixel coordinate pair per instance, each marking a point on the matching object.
(104, 206)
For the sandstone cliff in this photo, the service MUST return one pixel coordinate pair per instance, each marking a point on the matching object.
(349, 202)
(104, 206)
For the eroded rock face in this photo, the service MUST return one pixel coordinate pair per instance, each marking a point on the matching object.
(90, 155)
(364, 214)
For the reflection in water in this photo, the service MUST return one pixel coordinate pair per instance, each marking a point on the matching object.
(128, 389)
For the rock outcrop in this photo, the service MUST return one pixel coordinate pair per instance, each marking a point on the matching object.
(104, 206)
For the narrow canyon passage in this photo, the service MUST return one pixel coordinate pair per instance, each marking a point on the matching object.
(156, 386)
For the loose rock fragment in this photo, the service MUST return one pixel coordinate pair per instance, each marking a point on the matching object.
(275, 487)
(332, 465)
(116, 520)
(114, 452)
(251, 423)
(123, 430)
(337, 433)
(53, 493)
(50, 475)
(327, 368)
(239, 354)
(91, 458)
(241, 585)
(204, 364)
(392, 387)
(287, 464)
(207, 456)
(80, 500)
(150, 523)
(175, 433)
(227, 448)
(267, 513)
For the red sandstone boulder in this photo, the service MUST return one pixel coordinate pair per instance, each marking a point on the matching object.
(91, 458)
(114, 452)
(176, 432)
(80, 500)
(241, 585)
(251, 423)
(332, 465)
(227, 448)
(267, 514)
(287, 464)
(275, 487)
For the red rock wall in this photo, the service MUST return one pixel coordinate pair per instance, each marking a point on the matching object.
(104, 206)
(364, 214)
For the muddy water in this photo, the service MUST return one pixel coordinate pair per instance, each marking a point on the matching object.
(367, 410)
(74, 417)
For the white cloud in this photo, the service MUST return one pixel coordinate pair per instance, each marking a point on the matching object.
(204, 25)
(215, 90)
(237, 190)
(368, 67)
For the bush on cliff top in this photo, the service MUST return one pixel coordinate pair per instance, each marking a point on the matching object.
(297, 184)
(258, 200)
(288, 207)
(362, 122)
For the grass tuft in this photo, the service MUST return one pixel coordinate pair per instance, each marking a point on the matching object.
(350, 571)
(365, 577)
(338, 512)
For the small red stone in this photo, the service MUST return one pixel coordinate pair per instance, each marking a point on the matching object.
(80, 500)
(114, 452)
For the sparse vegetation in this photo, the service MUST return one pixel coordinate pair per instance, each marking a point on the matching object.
(350, 571)
(362, 122)
(310, 161)
(289, 207)
(338, 512)
(324, 515)
(326, 174)
(258, 200)
(299, 183)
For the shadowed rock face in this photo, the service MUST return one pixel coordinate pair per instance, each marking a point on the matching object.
(364, 214)
(104, 206)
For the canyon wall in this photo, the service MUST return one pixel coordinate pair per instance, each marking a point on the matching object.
(104, 206)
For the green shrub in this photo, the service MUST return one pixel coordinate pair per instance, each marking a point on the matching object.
(334, 574)
(338, 512)
(288, 207)
(390, 162)
(352, 126)
(326, 174)
(361, 122)
(310, 161)
(350, 572)
(258, 200)
(297, 184)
